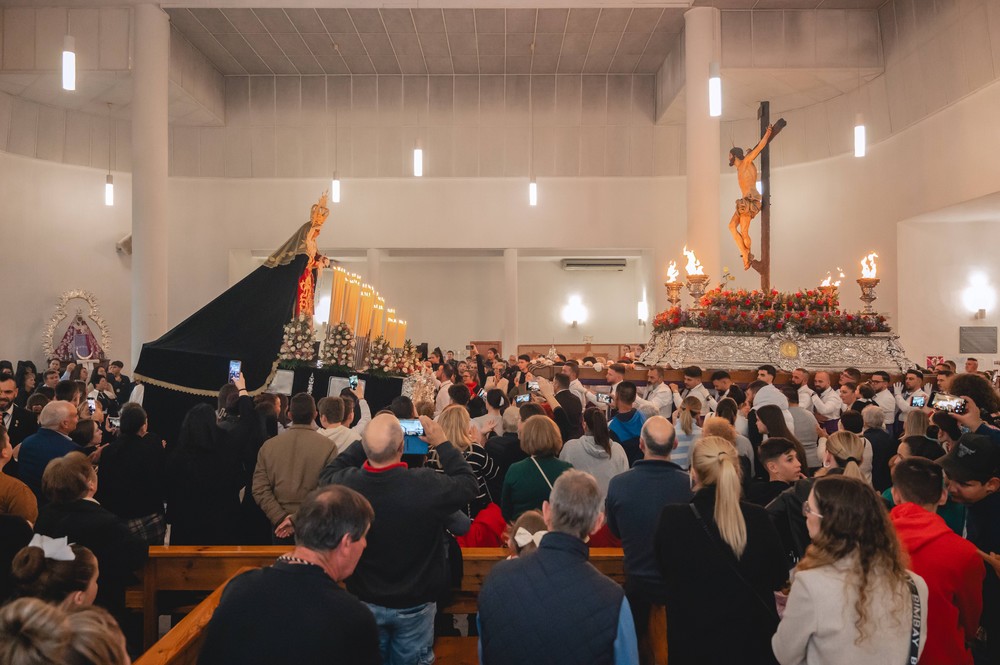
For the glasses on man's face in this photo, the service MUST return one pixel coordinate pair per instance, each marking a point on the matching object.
(807, 510)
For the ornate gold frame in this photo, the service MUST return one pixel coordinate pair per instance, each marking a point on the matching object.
(61, 314)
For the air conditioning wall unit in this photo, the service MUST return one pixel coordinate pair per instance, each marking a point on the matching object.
(594, 264)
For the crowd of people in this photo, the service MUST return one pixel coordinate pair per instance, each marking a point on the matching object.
(830, 519)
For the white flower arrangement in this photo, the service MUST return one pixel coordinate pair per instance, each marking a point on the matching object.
(380, 356)
(298, 341)
(407, 359)
(339, 347)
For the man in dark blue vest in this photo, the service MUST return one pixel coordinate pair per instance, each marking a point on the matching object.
(553, 606)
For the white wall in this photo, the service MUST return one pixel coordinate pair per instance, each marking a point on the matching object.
(57, 235)
(825, 214)
(936, 261)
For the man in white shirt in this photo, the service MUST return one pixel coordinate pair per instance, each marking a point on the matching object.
(693, 386)
(971, 365)
(615, 375)
(446, 374)
(331, 416)
(658, 394)
(883, 396)
(825, 401)
(572, 370)
(905, 392)
(800, 381)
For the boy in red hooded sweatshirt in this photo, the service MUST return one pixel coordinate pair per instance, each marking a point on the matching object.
(950, 565)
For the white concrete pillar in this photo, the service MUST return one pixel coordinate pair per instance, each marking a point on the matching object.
(149, 175)
(509, 302)
(375, 268)
(704, 223)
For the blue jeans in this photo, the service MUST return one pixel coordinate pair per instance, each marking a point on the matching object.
(406, 637)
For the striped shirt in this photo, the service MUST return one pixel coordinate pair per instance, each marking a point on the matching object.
(482, 465)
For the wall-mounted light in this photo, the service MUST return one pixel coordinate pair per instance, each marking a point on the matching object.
(643, 311)
(714, 90)
(979, 296)
(574, 312)
(69, 63)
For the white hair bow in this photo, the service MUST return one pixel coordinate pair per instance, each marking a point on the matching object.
(522, 537)
(57, 549)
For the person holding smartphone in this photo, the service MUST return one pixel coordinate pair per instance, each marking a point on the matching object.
(413, 507)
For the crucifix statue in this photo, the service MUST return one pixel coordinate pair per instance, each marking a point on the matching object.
(751, 203)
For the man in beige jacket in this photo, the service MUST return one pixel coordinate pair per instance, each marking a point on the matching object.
(288, 467)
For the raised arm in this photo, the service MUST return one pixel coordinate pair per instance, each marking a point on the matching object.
(760, 144)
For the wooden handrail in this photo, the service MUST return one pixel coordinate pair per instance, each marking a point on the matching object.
(181, 645)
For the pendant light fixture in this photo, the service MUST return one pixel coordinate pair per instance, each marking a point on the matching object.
(714, 90)
(69, 63)
(859, 136)
(532, 184)
(418, 149)
(109, 182)
(335, 182)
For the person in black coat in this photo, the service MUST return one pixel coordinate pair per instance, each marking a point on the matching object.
(204, 476)
(133, 476)
(15, 533)
(721, 560)
(571, 407)
(70, 483)
(883, 447)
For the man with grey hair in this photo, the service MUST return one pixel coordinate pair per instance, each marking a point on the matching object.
(294, 611)
(554, 602)
(56, 421)
(403, 571)
(635, 501)
(883, 446)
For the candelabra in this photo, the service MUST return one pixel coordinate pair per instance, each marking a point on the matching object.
(696, 287)
(830, 292)
(868, 296)
(674, 292)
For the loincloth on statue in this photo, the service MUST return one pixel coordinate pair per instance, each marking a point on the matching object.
(748, 205)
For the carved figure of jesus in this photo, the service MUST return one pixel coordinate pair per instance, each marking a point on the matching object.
(749, 205)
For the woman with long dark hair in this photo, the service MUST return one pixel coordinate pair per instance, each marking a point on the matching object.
(203, 483)
(595, 452)
(771, 421)
(852, 599)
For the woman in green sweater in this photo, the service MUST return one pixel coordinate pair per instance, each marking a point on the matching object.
(529, 482)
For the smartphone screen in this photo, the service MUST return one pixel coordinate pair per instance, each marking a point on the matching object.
(949, 403)
(91, 404)
(114, 422)
(918, 400)
(533, 386)
(353, 381)
(482, 394)
(412, 427)
(604, 398)
(522, 399)
(235, 367)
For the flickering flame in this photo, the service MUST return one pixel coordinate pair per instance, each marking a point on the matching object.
(868, 267)
(672, 272)
(829, 278)
(693, 266)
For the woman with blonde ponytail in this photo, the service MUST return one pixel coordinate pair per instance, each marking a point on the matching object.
(844, 450)
(722, 560)
(687, 430)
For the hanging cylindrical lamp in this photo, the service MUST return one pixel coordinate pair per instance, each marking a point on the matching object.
(69, 63)
(714, 90)
(532, 192)
(859, 136)
(418, 161)
(335, 188)
(109, 190)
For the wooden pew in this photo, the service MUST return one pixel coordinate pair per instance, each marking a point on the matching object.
(206, 568)
(182, 644)
(194, 568)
